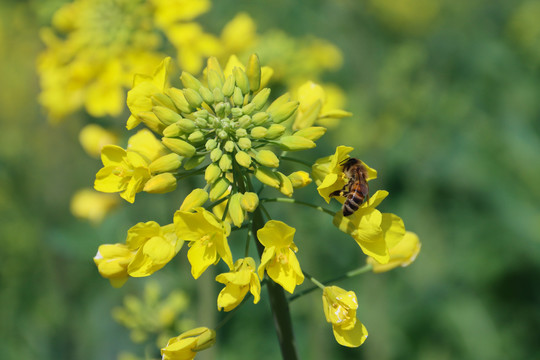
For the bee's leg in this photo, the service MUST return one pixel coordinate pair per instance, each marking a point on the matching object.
(336, 193)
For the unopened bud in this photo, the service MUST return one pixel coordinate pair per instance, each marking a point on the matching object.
(312, 133)
(285, 186)
(215, 154)
(195, 199)
(214, 80)
(238, 98)
(236, 112)
(193, 97)
(299, 179)
(235, 209)
(229, 146)
(260, 118)
(253, 72)
(243, 159)
(283, 112)
(180, 147)
(275, 131)
(172, 131)
(161, 184)
(241, 132)
(222, 134)
(244, 121)
(196, 137)
(261, 98)
(189, 81)
(179, 100)
(267, 177)
(212, 173)
(244, 143)
(249, 201)
(248, 109)
(151, 121)
(228, 86)
(210, 144)
(241, 80)
(308, 116)
(218, 188)
(212, 64)
(218, 95)
(161, 99)
(267, 158)
(193, 162)
(258, 132)
(225, 163)
(206, 94)
(294, 143)
(166, 163)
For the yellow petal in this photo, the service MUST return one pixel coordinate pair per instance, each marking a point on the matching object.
(351, 338)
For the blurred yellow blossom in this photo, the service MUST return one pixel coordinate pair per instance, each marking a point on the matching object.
(237, 283)
(92, 205)
(279, 259)
(94, 137)
(340, 310)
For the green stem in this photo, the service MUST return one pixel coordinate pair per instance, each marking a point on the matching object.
(361, 270)
(294, 201)
(278, 302)
(296, 161)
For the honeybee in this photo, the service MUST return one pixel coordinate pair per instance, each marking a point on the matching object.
(356, 190)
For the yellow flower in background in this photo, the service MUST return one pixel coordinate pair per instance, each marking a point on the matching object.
(237, 283)
(91, 205)
(112, 262)
(207, 236)
(374, 231)
(402, 253)
(170, 12)
(89, 58)
(155, 246)
(94, 137)
(340, 310)
(186, 345)
(279, 259)
(328, 172)
(314, 106)
(239, 35)
(123, 171)
(412, 16)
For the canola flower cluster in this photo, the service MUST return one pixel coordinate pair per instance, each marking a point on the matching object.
(225, 128)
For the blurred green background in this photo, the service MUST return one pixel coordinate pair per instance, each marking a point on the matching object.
(446, 103)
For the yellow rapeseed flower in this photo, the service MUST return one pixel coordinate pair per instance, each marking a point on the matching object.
(340, 310)
(94, 137)
(92, 205)
(186, 345)
(237, 283)
(207, 236)
(279, 259)
(402, 253)
(112, 262)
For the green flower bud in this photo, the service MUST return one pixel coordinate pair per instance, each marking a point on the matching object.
(200, 122)
(244, 143)
(285, 186)
(210, 144)
(172, 131)
(166, 115)
(194, 199)
(253, 72)
(275, 131)
(166, 163)
(214, 80)
(258, 132)
(201, 113)
(179, 100)
(206, 94)
(308, 117)
(283, 112)
(189, 81)
(180, 147)
(267, 177)
(212, 173)
(280, 101)
(196, 137)
(222, 134)
(236, 112)
(151, 121)
(216, 154)
(261, 98)
(241, 132)
(249, 201)
(294, 143)
(299, 179)
(219, 188)
(248, 109)
(193, 97)
(235, 209)
(225, 162)
(218, 95)
(193, 162)
(161, 184)
(228, 86)
(229, 146)
(237, 97)
(244, 121)
(312, 133)
(241, 80)
(260, 118)
(267, 158)
(186, 125)
(243, 159)
(160, 99)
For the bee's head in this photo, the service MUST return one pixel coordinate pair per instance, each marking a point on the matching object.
(348, 162)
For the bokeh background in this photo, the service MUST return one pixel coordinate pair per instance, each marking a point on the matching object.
(445, 96)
